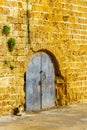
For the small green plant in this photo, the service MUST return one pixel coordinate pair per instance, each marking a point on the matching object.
(5, 62)
(11, 67)
(6, 30)
(11, 44)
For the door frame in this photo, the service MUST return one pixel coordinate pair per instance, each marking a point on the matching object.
(55, 64)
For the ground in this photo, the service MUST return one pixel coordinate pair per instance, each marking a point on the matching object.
(73, 117)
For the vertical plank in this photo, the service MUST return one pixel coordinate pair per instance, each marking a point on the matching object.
(32, 84)
(48, 78)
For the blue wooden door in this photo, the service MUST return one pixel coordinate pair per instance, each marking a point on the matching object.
(40, 86)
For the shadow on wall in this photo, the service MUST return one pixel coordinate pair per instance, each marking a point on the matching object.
(60, 82)
(25, 90)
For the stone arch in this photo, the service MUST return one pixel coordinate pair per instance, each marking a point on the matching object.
(55, 62)
(58, 76)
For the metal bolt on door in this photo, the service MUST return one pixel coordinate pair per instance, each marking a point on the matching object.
(40, 86)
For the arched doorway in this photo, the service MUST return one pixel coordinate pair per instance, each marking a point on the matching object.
(40, 82)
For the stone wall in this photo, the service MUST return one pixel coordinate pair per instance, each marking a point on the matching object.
(55, 26)
(60, 26)
(12, 64)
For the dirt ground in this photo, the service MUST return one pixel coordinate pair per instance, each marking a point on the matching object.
(73, 117)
